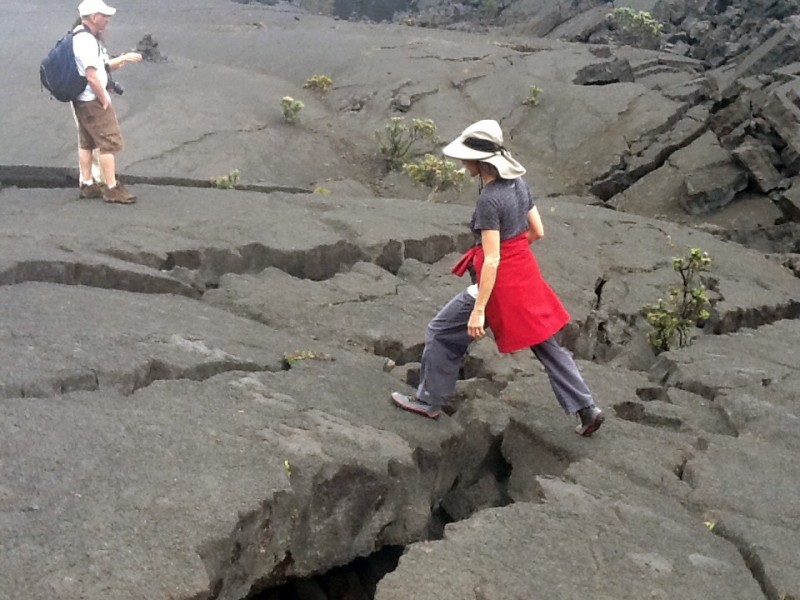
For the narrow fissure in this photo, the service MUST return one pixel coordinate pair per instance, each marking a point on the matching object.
(752, 560)
(29, 176)
(160, 371)
(475, 487)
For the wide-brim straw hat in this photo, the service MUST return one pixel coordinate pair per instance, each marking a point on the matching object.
(483, 141)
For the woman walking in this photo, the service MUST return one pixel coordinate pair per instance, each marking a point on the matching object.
(509, 293)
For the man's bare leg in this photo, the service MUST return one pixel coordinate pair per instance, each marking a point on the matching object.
(85, 164)
(108, 167)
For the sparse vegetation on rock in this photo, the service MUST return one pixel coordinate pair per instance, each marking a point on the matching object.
(291, 109)
(397, 138)
(489, 8)
(439, 174)
(636, 28)
(320, 84)
(226, 182)
(685, 306)
(291, 358)
(534, 96)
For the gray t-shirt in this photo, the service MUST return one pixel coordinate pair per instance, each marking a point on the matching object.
(503, 205)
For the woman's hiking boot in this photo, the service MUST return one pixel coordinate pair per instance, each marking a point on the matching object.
(591, 418)
(416, 406)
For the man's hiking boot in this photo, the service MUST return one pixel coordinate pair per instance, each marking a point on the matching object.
(91, 190)
(118, 195)
(591, 418)
(416, 406)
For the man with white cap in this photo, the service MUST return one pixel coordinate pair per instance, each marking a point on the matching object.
(98, 128)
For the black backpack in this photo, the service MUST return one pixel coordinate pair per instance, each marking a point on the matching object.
(59, 72)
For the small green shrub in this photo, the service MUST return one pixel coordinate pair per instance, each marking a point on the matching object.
(226, 182)
(291, 109)
(318, 83)
(439, 174)
(397, 138)
(404, 18)
(489, 8)
(534, 95)
(292, 358)
(636, 28)
(685, 306)
(322, 191)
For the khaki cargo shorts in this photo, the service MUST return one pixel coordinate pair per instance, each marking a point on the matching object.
(97, 128)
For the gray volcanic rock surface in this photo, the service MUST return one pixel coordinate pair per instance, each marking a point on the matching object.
(194, 390)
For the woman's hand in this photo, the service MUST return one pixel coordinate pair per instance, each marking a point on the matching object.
(476, 324)
(490, 243)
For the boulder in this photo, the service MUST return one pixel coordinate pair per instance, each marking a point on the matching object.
(527, 546)
(538, 18)
(758, 161)
(783, 116)
(614, 71)
(711, 189)
(700, 178)
(782, 48)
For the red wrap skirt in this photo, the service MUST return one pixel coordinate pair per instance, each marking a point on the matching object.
(523, 310)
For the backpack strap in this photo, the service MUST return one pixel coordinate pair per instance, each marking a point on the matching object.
(85, 29)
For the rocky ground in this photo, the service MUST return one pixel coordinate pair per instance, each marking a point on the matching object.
(194, 390)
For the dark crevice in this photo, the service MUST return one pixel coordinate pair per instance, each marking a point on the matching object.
(272, 548)
(651, 393)
(752, 560)
(598, 291)
(28, 176)
(637, 412)
(207, 265)
(632, 167)
(681, 468)
(190, 272)
(79, 381)
(355, 581)
(397, 351)
(127, 383)
(698, 387)
(751, 318)
(629, 411)
(160, 371)
(101, 276)
(432, 249)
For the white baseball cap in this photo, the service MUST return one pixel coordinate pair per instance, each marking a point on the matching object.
(91, 7)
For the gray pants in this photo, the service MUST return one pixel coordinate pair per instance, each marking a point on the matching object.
(447, 341)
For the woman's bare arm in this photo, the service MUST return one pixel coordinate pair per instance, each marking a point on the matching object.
(490, 242)
(535, 226)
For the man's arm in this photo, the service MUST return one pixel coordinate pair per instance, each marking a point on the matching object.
(97, 87)
(128, 57)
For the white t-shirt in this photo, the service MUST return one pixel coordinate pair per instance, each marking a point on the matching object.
(89, 52)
